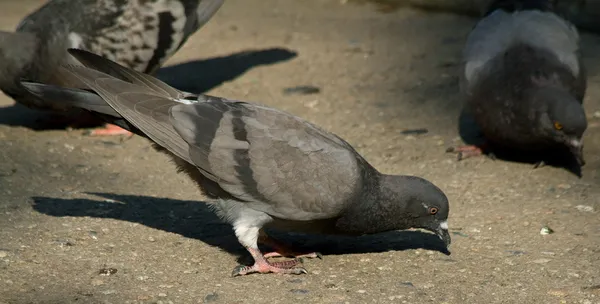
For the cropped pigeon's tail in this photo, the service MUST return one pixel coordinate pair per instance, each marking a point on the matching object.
(520, 5)
(65, 98)
(78, 98)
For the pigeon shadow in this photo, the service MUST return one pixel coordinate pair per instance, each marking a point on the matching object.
(198, 76)
(471, 134)
(194, 219)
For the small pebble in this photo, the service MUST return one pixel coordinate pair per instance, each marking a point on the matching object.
(541, 261)
(110, 291)
(330, 286)
(162, 295)
(211, 297)
(459, 233)
(414, 131)
(299, 291)
(64, 243)
(546, 230)
(93, 235)
(361, 291)
(584, 208)
(427, 286)
(3, 254)
(107, 271)
(301, 90)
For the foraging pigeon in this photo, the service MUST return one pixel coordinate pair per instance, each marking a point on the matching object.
(141, 35)
(261, 167)
(523, 80)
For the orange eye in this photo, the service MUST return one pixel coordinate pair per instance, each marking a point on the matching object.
(433, 210)
(558, 125)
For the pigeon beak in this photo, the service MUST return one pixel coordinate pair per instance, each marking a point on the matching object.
(442, 232)
(576, 147)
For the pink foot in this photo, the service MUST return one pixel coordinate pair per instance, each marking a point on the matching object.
(109, 130)
(262, 266)
(463, 152)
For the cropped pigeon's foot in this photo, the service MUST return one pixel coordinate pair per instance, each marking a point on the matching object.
(283, 250)
(463, 152)
(108, 130)
(261, 265)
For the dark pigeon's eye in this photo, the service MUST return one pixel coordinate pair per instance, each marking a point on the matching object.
(558, 125)
(433, 210)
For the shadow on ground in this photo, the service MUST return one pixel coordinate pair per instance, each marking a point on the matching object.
(194, 219)
(196, 76)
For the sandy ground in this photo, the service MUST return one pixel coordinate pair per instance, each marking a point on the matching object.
(72, 205)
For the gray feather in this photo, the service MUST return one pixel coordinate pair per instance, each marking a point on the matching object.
(502, 30)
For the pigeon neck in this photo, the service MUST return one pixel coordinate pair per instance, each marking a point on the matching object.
(372, 213)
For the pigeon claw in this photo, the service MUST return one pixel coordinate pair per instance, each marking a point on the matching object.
(463, 152)
(285, 267)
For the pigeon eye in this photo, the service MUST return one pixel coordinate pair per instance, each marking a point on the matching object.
(433, 210)
(558, 125)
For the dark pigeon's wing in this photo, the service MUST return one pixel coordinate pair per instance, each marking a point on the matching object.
(111, 68)
(500, 30)
(274, 161)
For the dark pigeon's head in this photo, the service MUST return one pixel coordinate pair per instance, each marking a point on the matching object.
(564, 121)
(402, 202)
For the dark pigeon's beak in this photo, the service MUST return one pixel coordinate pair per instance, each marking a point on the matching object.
(576, 148)
(442, 232)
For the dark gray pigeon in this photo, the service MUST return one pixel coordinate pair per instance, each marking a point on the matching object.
(524, 82)
(260, 167)
(141, 35)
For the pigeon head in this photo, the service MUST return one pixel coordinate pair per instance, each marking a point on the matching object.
(564, 120)
(401, 202)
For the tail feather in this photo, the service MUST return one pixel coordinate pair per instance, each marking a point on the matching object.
(61, 97)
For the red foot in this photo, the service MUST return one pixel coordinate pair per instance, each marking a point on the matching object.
(262, 266)
(109, 130)
(463, 152)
